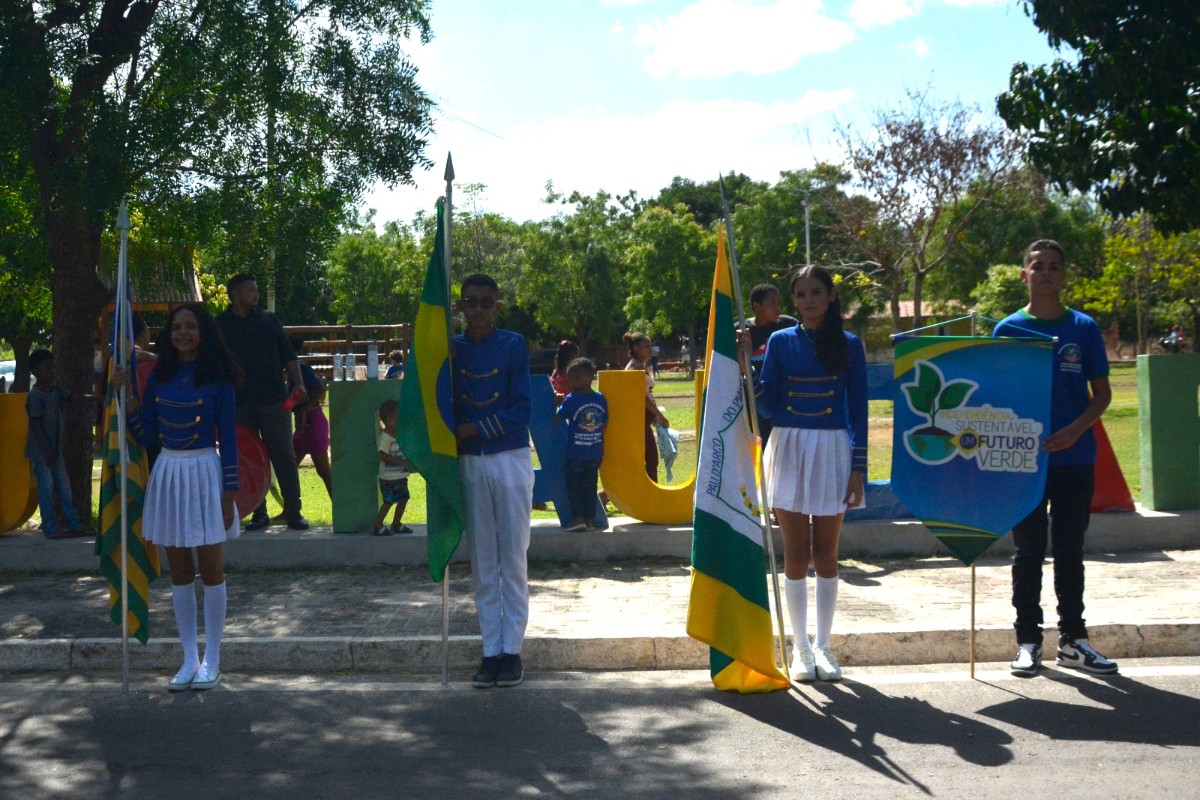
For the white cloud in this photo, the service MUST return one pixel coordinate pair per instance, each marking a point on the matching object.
(918, 47)
(586, 152)
(713, 38)
(875, 13)
(975, 2)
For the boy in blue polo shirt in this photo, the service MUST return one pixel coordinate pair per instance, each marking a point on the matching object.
(1080, 360)
(586, 413)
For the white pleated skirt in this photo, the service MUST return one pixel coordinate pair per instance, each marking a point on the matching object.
(806, 470)
(183, 500)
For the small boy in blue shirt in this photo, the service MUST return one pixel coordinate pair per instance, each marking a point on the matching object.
(586, 413)
(43, 448)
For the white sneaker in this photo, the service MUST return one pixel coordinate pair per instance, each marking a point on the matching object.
(1027, 661)
(183, 679)
(206, 678)
(826, 664)
(804, 667)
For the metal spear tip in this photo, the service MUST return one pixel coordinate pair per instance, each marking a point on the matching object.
(449, 176)
(123, 217)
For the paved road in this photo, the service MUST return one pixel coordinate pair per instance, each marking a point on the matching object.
(888, 733)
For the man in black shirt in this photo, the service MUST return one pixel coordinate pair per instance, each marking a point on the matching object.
(263, 351)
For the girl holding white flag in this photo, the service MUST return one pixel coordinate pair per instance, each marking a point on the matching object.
(813, 389)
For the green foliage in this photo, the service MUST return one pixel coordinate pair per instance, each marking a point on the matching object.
(573, 280)
(1121, 116)
(770, 224)
(670, 259)
(376, 278)
(999, 230)
(1002, 293)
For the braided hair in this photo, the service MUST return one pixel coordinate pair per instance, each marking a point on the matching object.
(833, 350)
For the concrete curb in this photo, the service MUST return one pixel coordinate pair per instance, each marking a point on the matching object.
(422, 654)
(627, 539)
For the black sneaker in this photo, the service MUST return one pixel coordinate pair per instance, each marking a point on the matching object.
(1078, 654)
(257, 523)
(489, 668)
(512, 672)
(298, 523)
(1027, 661)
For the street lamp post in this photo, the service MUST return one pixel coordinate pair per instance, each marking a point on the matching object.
(807, 237)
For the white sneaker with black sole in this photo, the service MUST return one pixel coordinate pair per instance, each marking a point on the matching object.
(1078, 654)
(1027, 661)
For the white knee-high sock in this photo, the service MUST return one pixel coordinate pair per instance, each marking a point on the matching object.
(827, 591)
(183, 598)
(214, 623)
(796, 592)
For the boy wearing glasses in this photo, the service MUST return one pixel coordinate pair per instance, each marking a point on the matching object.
(491, 414)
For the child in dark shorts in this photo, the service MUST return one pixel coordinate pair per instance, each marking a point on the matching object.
(394, 470)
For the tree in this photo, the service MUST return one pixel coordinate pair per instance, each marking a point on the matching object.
(1001, 293)
(669, 263)
(376, 278)
(24, 259)
(1123, 117)
(1022, 211)
(703, 200)
(769, 223)
(573, 281)
(912, 167)
(111, 97)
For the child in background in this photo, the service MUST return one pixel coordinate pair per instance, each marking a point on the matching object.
(394, 470)
(395, 370)
(43, 448)
(568, 351)
(586, 413)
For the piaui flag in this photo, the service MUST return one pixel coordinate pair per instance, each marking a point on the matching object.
(971, 413)
(143, 566)
(728, 608)
(425, 423)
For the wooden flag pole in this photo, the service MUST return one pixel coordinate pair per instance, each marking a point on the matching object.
(121, 307)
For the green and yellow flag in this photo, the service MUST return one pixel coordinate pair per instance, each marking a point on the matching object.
(143, 566)
(425, 423)
(728, 607)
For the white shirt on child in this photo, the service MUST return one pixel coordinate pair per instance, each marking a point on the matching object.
(390, 472)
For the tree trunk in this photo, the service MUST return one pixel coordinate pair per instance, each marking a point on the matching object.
(918, 283)
(21, 346)
(78, 298)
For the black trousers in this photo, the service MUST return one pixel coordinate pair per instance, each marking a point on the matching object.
(274, 424)
(582, 477)
(1069, 494)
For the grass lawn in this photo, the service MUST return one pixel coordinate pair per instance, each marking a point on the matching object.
(675, 395)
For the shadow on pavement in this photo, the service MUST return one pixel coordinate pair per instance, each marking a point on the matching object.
(848, 718)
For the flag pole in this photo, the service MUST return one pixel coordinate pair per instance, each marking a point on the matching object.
(122, 325)
(447, 214)
(764, 516)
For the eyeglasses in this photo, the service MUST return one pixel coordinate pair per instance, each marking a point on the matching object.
(485, 303)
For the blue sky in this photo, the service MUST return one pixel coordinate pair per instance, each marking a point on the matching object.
(626, 94)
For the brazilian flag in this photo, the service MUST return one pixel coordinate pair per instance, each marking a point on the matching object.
(425, 423)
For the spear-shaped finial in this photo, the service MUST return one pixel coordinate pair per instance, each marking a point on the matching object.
(449, 176)
(123, 217)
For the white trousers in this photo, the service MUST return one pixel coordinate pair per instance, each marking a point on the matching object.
(498, 496)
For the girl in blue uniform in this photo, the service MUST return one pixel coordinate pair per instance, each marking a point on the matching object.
(813, 389)
(188, 407)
